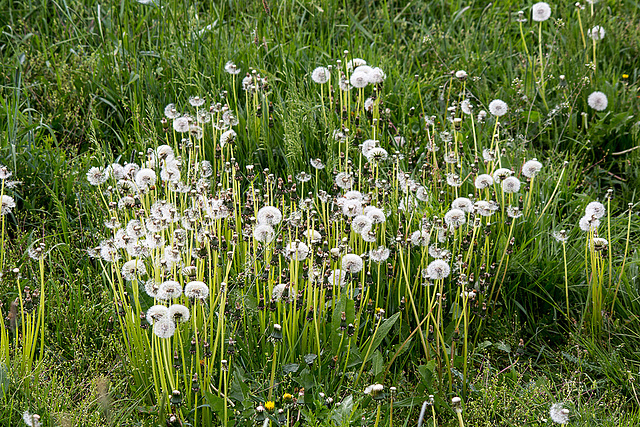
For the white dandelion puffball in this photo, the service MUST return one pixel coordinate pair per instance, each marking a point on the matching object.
(6, 204)
(379, 255)
(32, 420)
(321, 75)
(511, 184)
(359, 79)
(598, 101)
(227, 137)
(483, 181)
(463, 204)
(595, 210)
(531, 168)
(559, 414)
(196, 290)
(264, 233)
(588, 223)
(156, 313)
(179, 313)
(498, 107)
(597, 33)
(540, 11)
(97, 176)
(164, 328)
(297, 251)
(269, 215)
(352, 263)
(420, 238)
(132, 269)
(466, 107)
(438, 270)
(455, 218)
(231, 68)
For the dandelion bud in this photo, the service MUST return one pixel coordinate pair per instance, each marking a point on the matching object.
(176, 398)
(456, 402)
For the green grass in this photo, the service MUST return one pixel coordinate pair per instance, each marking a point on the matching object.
(84, 84)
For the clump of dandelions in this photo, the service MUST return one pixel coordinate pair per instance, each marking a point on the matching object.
(559, 414)
(598, 101)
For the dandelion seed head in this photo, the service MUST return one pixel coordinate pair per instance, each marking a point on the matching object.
(598, 101)
(376, 215)
(145, 178)
(297, 251)
(352, 263)
(511, 184)
(6, 204)
(380, 254)
(466, 107)
(498, 107)
(588, 223)
(337, 278)
(462, 203)
(360, 224)
(232, 68)
(540, 12)
(178, 313)
(32, 420)
(531, 168)
(5, 173)
(595, 210)
(164, 328)
(169, 289)
(133, 269)
(276, 293)
(559, 414)
(438, 270)
(269, 215)
(455, 218)
(196, 290)
(97, 176)
(420, 238)
(344, 180)
(483, 181)
(597, 33)
(181, 124)
(321, 75)
(359, 79)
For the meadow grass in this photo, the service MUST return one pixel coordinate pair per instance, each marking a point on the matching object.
(510, 305)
